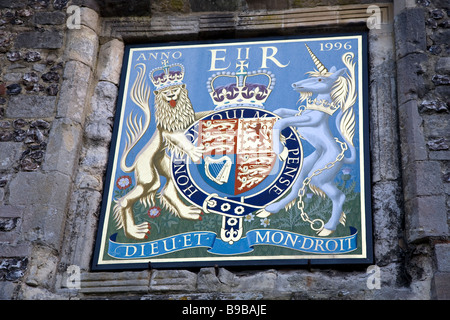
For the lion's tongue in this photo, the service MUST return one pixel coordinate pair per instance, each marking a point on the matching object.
(173, 103)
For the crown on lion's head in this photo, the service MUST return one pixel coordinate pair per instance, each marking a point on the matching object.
(240, 88)
(167, 75)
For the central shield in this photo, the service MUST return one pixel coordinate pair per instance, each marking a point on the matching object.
(238, 153)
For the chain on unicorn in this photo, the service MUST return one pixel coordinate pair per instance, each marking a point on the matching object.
(335, 93)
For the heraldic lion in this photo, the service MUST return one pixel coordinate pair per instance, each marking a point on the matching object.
(173, 114)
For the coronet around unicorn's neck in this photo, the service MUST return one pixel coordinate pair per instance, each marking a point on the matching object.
(322, 103)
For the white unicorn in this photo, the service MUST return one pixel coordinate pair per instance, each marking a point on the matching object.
(335, 92)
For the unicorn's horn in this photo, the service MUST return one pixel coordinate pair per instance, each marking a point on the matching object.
(317, 62)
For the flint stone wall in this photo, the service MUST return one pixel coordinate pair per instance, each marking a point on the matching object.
(58, 91)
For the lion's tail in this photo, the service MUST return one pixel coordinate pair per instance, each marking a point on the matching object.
(140, 95)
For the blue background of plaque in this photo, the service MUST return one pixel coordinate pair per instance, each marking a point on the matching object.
(197, 63)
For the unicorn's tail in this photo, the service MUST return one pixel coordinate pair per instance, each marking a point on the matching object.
(345, 122)
(352, 157)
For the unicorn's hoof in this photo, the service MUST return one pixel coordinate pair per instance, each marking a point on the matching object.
(284, 154)
(325, 232)
(263, 213)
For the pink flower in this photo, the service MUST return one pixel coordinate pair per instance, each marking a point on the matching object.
(154, 212)
(123, 182)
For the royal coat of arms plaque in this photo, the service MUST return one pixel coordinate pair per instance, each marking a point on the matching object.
(234, 153)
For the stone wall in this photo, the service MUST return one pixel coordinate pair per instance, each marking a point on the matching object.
(58, 91)
(32, 45)
(423, 90)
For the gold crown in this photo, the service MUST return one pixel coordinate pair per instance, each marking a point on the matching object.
(240, 91)
(167, 75)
